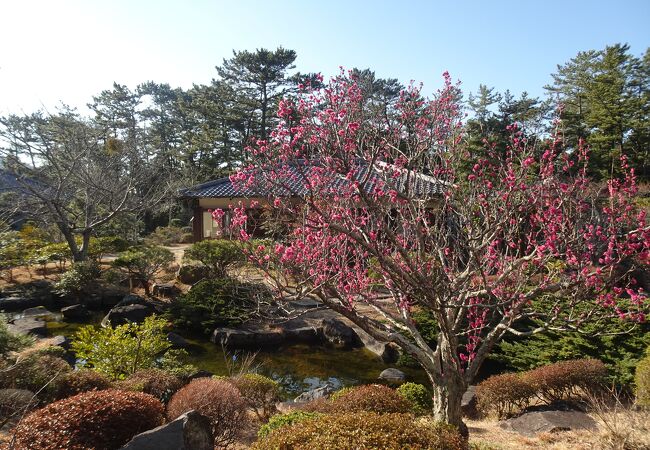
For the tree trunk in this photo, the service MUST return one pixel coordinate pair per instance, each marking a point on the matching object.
(447, 397)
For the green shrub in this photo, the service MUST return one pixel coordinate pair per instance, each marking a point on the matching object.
(218, 400)
(261, 393)
(285, 420)
(418, 395)
(123, 350)
(642, 382)
(100, 246)
(567, 380)
(77, 278)
(156, 382)
(34, 372)
(216, 254)
(215, 303)
(143, 264)
(187, 238)
(340, 392)
(78, 381)
(99, 420)
(165, 236)
(372, 397)
(362, 430)
(57, 253)
(504, 394)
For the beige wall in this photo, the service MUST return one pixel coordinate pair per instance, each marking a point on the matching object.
(224, 203)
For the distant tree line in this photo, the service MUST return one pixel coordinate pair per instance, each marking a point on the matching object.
(118, 169)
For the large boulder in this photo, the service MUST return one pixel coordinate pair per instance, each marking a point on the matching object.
(234, 338)
(302, 334)
(28, 325)
(177, 341)
(469, 403)
(191, 431)
(337, 333)
(132, 308)
(320, 392)
(75, 312)
(392, 375)
(531, 423)
(18, 303)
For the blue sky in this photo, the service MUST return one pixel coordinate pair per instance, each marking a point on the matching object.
(68, 50)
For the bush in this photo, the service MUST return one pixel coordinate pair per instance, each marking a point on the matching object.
(504, 394)
(214, 303)
(101, 419)
(642, 382)
(372, 397)
(156, 382)
(216, 254)
(123, 350)
(218, 400)
(362, 430)
(259, 392)
(14, 402)
(418, 395)
(78, 381)
(563, 380)
(144, 263)
(285, 420)
(165, 236)
(77, 278)
(35, 372)
(187, 238)
(106, 244)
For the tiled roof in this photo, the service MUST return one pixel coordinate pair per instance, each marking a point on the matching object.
(419, 185)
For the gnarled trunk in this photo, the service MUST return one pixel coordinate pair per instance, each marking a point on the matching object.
(447, 398)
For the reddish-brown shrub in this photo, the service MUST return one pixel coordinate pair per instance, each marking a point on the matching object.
(218, 400)
(504, 394)
(156, 382)
(364, 430)
(36, 373)
(372, 397)
(93, 420)
(319, 405)
(84, 380)
(567, 380)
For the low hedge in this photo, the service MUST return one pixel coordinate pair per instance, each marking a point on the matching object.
(362, 430)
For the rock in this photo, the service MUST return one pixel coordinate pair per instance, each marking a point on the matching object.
(233, 338)
(37, 311)
(313, 394)
(177, 340)
(387, 351)
(532, 423)
(392, 375)
(112, 296)
(200, 374)
(75, 312)
(18, 303)
(191, 431)
(28, 325)
(60, 341)
(164, 289)
(339, 334)
(192, 273)
(302, 334)
(120, 315)
(468, 403)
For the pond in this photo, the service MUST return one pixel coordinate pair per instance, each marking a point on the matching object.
(297, 368)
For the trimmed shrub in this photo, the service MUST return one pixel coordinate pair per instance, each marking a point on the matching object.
(642, 382)
(77, 278)
(216, 254)
(418, 395)
(562, 381)
(260, 393)
(372, 397)
(285, 420)
(363, 430)
(156, 382)
(78, 381)
(14, 402)
(35, 372)
(144, 263)
(165, 236)
(218, 400)
(101, 420)
(340, 392)
(214, 303)
(504, 394)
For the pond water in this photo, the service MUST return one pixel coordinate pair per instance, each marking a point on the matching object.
(296, 367)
